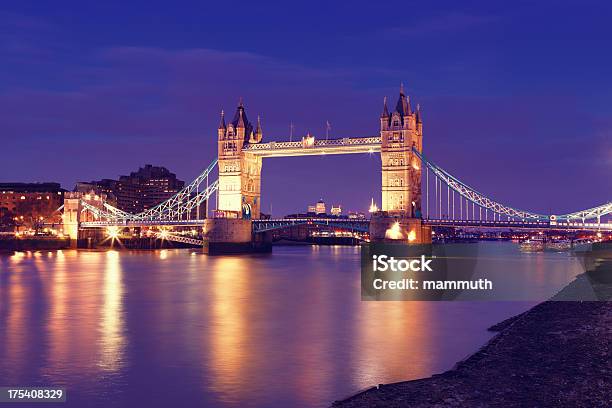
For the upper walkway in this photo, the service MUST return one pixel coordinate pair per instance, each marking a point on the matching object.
(311, 146)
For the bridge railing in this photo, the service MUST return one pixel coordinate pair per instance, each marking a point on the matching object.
(342, 223)
(475, 197)
(176, 202)
(178, 207)
(484, 202)
(591, 213)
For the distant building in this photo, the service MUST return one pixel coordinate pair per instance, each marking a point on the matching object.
(356, 215)
(320, 207)
(105, 187)
(337, 210)
(141, 190)
(28, 205)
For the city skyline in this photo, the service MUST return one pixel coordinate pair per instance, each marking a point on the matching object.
(539, 126)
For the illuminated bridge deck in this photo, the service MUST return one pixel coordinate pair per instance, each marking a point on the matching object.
(519, 224)
(142, 223)
(361, 225)
(308, 147)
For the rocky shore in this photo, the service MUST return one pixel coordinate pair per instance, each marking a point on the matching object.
(557, 354)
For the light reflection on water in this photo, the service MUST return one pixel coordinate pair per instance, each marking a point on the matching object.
(112, 337)
(170, 328)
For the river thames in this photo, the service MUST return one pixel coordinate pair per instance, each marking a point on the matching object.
(179, 328)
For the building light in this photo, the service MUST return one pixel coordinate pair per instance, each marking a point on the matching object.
(112, 232)
(395, 232)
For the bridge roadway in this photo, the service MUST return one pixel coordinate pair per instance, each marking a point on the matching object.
(258, 225)
(587, 226)
(311, 146)
(361, 225)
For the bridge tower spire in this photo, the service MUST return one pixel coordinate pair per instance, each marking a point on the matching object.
(222, 127)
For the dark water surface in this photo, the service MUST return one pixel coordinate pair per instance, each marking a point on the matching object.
(178, 328)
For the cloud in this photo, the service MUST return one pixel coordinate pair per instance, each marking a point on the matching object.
(150, 92)
(444, 23)
(119, 107)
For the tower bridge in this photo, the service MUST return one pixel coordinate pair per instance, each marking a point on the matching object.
(237, 224)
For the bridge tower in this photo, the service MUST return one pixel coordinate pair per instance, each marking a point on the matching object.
(231, 230)
(400, 131)
(239, 171)
(72, 217)
(400, 215)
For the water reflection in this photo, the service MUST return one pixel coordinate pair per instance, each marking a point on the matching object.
(59, 334)
(112, 342)
(175, 328)
(407, 346)
(12, 333)
(228, 353)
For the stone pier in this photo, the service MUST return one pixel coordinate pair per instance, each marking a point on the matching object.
(234, 236)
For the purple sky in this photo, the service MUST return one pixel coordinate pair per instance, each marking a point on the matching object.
(515, 99)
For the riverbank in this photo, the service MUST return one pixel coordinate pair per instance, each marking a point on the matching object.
(34, 244)
(556, 354)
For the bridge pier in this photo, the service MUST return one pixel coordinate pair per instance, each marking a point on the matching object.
(234, 236)
(71, 217)
(389, 228)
